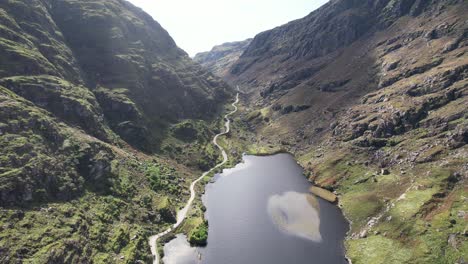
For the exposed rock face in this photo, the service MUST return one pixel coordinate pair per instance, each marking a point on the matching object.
(386, 87)
(344, 51)
(220, 59)
(42, 160)
(333, 26)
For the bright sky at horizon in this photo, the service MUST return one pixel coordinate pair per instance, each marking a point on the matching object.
(197, 26)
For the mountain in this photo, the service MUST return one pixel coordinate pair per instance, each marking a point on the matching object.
(370, 96)
(117, 51)
(96, 101)
(221, 58)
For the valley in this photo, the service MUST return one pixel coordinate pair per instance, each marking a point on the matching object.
(374, 112)
(182, 214)
(117, 147)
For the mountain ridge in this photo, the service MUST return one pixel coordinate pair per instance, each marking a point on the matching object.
(222, 57)
(369, 96)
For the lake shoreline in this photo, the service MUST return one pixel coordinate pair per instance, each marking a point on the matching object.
(300, 181)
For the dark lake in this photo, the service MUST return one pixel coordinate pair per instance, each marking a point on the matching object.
(261, 212)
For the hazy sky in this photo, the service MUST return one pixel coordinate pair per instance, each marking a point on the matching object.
(198, 25)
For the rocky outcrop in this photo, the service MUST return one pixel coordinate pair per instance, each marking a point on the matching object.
(335, 25)
(74, 104)
(40, 162)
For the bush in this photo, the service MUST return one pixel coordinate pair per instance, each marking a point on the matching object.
(154, 177)
(162, 179)
(199, 235)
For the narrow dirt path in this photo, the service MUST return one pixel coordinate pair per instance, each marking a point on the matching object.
(182, 214)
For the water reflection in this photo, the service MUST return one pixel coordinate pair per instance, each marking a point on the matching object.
(296, 214)
(241, 228)
(179, 251)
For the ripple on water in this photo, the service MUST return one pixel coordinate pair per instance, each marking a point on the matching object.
(296, 214)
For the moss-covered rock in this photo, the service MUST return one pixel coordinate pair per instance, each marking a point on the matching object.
(73, 104)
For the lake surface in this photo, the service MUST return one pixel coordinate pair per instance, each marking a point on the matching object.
(261, 212)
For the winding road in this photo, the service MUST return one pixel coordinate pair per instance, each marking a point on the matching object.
(182, 214)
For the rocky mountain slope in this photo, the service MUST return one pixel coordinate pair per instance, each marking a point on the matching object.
(221, 58)
(94, 97)
(371, 97)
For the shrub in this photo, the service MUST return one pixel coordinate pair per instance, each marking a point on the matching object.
(199, 235)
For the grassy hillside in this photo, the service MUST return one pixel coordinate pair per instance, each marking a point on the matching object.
(370, 96)
(96, 105)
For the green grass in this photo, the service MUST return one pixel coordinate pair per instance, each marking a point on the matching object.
(412, 203)
(377, 250)
(358, 207)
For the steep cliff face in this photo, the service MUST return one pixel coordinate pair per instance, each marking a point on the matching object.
(85, 87)
(114, 50)
(371, 97)
(315, 68)
(220, 59)
(333, 26)
(123, 50)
